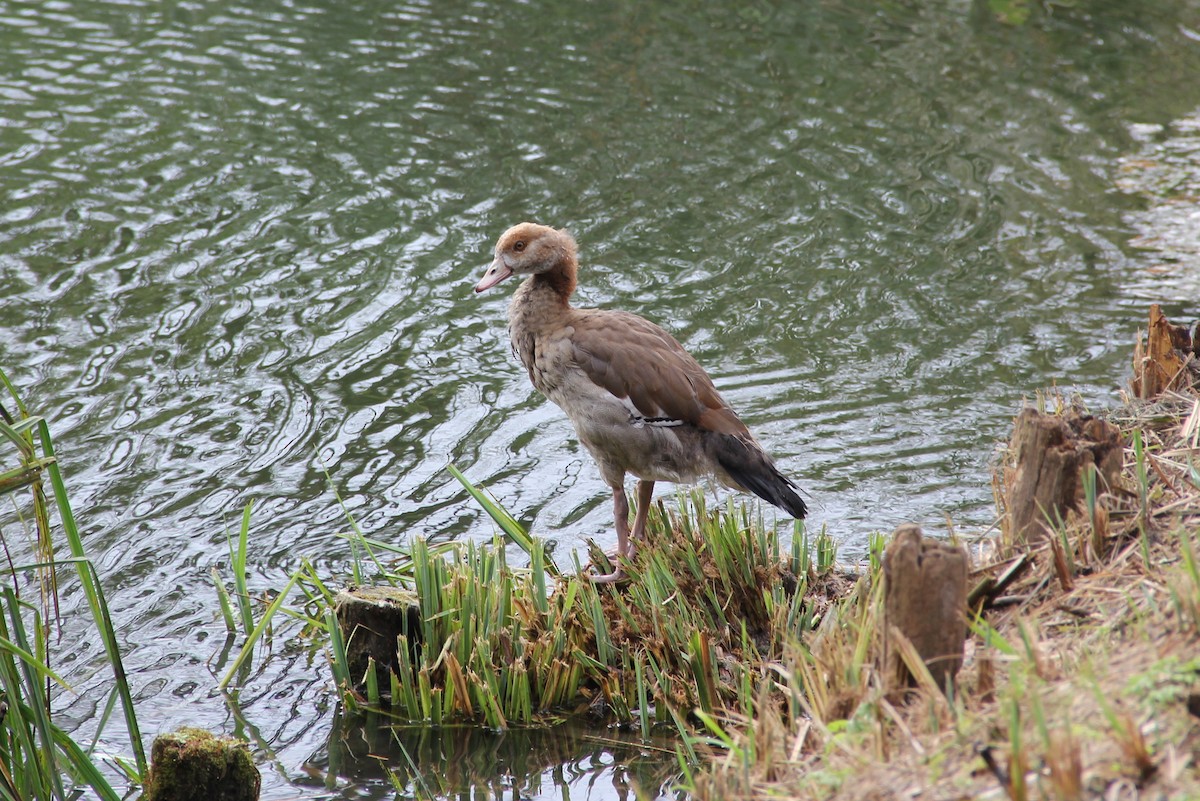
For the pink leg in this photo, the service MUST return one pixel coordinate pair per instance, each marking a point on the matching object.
(645, 491)
(621, 519)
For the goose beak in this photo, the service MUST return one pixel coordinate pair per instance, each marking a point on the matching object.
(496, 273)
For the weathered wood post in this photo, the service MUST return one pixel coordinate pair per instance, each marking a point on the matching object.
(371, 619)
(1161, 361)
(925, 600)
(1049, 455)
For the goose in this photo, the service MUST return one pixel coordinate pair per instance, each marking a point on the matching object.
(639, 402)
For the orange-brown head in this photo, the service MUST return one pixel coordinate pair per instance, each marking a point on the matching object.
(532, 249)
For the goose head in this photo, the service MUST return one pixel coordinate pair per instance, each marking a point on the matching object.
(528, 249)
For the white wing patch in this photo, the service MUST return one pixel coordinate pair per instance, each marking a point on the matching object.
(639, 420)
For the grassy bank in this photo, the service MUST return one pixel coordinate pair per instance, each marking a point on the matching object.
(1081, 681)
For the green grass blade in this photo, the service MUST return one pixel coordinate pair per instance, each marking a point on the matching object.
(257, 633)
(31, 661)
(238, 560)
(341, 663)
(508, 524)
(984, 631)
(224, 601)
(82, 768)
(95, 598)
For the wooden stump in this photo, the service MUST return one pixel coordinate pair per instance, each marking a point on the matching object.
(925, 600)
(196, 765)
(371, 620)
(1049, 455)
(1165, 360)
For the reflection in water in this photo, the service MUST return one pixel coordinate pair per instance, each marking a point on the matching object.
(569, 761)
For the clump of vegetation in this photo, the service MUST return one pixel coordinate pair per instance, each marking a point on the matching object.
(705, 612)
(195, 765)
(713, 603)
(38, 759)
(1081, 676)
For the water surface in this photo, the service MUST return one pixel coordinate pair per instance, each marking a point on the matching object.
(237, 242)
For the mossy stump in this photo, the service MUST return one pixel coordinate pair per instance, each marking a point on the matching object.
(925, 602)
(196, 765)
(371, 620)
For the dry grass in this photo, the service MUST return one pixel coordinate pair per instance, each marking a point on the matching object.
(1081, 680)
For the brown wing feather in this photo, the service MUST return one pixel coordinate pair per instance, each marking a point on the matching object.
(634, 358)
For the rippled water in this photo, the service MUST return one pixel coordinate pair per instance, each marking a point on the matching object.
(237, 242)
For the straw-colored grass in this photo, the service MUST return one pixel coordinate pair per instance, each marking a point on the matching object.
(1082, 681)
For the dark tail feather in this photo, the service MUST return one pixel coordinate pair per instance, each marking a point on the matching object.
(753, 471)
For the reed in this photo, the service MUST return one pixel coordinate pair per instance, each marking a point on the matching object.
(1142, 474)
(38, 759)
(1185, 589)
(710, 601)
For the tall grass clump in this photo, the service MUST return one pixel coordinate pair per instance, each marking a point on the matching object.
(38, 759)
(711, 600)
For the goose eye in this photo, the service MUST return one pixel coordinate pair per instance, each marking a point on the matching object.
(518, 246)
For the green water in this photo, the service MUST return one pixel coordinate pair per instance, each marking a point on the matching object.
(237, 242)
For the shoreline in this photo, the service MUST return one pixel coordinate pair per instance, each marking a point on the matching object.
(1084, 683)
